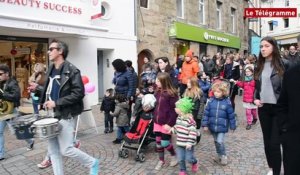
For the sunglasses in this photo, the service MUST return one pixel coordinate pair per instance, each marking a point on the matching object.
(52, 48)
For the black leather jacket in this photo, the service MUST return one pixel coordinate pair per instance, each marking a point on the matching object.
(71, 92)
(11, 91)
(275, 79)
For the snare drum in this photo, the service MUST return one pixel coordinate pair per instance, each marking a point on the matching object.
(22, 126)
(45, 128)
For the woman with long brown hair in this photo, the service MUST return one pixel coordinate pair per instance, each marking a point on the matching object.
(268, 76)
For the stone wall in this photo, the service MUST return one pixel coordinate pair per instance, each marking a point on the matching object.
(154, 23)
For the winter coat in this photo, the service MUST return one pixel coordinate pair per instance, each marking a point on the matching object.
(148, 78)
(208, 66)
(219, 115)
(173, 76)
(288, 106)
(232, 71)
(293, 59)
(11, 91)
(124, 83)
(164, 112)
(205, 86)
(188, 70)
(121, 113)
(134, 77)
(249, 88)
(108, 104)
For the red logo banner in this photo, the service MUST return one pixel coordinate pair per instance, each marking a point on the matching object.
(270, 12)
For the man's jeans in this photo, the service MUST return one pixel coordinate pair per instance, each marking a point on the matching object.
(62, 145)
(184, 154)
(219, 143)
(2, 129)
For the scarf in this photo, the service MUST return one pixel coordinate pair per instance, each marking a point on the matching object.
(248, 78)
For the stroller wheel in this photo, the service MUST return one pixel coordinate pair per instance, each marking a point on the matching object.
(142, 157)
(125, 153)
(137, 158)
(121, 153)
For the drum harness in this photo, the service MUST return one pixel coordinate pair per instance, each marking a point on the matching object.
(48, 92)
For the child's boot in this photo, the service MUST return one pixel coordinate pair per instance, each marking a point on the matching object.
(106, 130)
(195, 168)
(248, 127)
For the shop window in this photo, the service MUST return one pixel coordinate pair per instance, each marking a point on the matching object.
(219, 15)
(144, 3)
(201, 12)
(21, 56)
(220, 49)
(180, 8)
(232, 18)
(203, 50)
(287, 3)
(271, 25)
(286, 22)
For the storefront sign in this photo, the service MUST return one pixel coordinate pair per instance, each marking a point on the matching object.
(197, 34)
(59, 11)
(216, 38)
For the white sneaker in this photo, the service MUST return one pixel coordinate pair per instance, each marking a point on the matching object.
(174, 161)
(270, 172)
(159, 165)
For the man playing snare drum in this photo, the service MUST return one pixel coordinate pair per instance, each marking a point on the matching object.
(63, 92)
(10, 92)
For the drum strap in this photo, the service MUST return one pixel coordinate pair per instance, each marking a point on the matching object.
(49, 88)
(48, 92)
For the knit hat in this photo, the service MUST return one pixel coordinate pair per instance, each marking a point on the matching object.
(185, 105)
(189, 53)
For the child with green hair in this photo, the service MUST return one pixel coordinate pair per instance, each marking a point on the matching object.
(185, 129)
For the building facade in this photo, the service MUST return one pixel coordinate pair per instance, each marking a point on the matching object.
(96, 32)
(169, 28)
(284, 30)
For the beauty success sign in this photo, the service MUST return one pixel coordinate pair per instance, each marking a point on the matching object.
(58, 11)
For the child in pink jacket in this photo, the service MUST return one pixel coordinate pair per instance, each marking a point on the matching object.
(249, 87)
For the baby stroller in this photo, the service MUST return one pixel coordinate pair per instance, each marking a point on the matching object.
(140, 134)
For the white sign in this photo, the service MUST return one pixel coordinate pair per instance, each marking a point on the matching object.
(216, 38)
(69, 12)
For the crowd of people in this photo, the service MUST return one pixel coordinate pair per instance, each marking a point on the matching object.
(191, 94)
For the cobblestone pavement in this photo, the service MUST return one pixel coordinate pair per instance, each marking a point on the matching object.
(244, 149)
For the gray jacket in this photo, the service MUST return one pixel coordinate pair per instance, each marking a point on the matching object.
(121, 113)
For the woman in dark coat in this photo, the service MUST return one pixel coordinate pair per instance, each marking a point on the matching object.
(123, 79)
(232, 71)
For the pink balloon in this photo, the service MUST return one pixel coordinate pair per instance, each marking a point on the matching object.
(89, 87)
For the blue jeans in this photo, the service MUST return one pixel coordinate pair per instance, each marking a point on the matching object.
(2, 129)
(62, 145)
(183, 154)
(121, 131)
(35, 104)
(219, 143)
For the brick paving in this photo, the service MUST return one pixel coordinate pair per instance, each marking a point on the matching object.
(244, 149)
